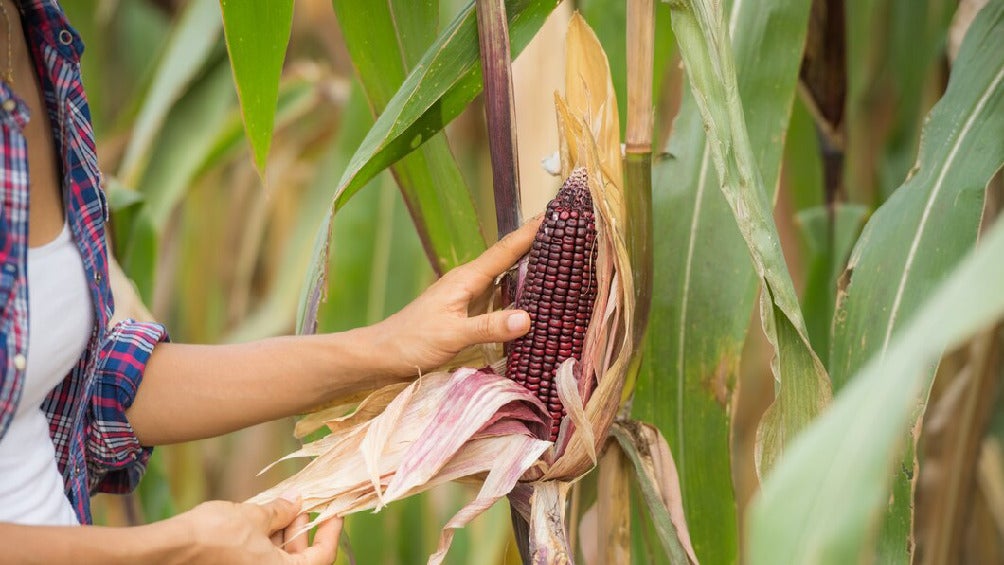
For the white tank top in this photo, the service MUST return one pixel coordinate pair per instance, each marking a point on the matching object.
(60, 319)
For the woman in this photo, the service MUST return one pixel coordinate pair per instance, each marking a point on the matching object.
(81, 403)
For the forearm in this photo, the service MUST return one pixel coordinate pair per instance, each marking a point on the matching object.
(196, 391)
(191, 392)
(164, 542)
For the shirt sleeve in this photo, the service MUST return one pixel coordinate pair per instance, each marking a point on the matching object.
(115, 459)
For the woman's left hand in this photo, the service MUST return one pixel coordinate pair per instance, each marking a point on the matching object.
(437, 325)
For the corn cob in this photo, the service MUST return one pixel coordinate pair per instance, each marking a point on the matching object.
(558, 291)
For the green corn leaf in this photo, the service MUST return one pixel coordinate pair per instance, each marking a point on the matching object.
(257, 32)
(188, 48)
(802, 172)
(823, 501)
(375, 261)
(443, 82)
(385, 40)
(195, 123)
(706, 280)
(119, 196)
(918, 236)
(201, 134)
(297, 98)
(802, 387)
(829, 236)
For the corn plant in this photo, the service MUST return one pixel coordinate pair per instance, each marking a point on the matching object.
(802, 197)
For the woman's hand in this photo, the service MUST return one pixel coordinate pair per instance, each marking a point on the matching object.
(437, 325)
(228, 532)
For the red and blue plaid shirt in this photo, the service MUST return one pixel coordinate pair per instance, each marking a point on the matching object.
(96, 449)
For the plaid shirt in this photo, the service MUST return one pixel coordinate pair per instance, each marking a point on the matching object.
(96, 449)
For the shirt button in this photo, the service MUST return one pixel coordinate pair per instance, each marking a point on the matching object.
(9, 105)
(65, 37)
(97, 277)
(20, 362)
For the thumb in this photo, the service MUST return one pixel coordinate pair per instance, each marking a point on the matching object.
(505, 325)
(282, 511)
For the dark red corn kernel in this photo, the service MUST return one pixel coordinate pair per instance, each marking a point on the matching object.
(558, 292)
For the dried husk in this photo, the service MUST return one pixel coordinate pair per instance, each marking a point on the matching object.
(442, 427)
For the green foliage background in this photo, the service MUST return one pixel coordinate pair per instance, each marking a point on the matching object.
(377, 116)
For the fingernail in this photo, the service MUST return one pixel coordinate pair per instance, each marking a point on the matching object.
(290, 495)
(517, 321)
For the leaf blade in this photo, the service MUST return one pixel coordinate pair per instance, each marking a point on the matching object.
(902, 345)
(385, 39)
(922, 230)
(257, 32)
(195, 122)
(700, 317)
(192, 40)
(803, 512)
(701, 31)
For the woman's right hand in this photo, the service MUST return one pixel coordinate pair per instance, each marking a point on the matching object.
(229, 532)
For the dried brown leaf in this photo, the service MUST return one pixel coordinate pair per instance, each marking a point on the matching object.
(548, 542)
(348, 411)
(589, 92)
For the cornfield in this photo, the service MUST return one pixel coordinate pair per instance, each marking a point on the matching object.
(795, 353)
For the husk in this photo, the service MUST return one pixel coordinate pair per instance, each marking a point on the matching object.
(348, 412)
(442, 427)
